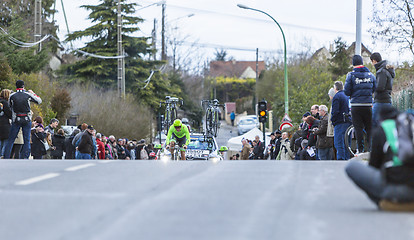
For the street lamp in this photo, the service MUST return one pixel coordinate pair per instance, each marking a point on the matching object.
(284, 42)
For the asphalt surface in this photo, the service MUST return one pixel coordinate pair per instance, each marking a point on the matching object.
(69, 199)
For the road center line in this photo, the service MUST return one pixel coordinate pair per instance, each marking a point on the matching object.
(78, 167)
(37, 179)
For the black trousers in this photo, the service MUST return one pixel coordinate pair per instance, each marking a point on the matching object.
(362, 120)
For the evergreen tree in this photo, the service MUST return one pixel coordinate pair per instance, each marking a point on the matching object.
(340, 62)
(16, 18)
(103, 72)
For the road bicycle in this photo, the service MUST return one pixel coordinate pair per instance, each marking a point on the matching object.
(212, 116)
(351, 142)
(170, 114)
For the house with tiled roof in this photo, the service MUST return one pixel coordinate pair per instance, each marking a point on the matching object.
(235, 69)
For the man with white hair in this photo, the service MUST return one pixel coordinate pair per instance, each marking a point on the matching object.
(323, 143)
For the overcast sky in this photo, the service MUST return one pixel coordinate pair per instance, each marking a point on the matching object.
(308, 25)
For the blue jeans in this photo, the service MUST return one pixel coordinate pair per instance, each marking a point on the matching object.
(2, 146)
(375, 113)
(84, 156)
(339, 141)
(325, 153)
(14, 130)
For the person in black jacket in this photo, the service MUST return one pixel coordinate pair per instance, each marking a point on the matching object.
(38, 139)
(58, 142)
(395, 183)
(385, 77)
(360, 84)
(5, 116)
(69, 148)
(19, 102)
(85, 146)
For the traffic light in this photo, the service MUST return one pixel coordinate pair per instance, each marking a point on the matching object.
(262, 107)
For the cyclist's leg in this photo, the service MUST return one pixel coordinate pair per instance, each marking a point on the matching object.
(181, 143)
(172, 145)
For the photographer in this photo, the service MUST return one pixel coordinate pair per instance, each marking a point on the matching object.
(19, 102)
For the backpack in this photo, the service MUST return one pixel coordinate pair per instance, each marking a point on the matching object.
(400, 137)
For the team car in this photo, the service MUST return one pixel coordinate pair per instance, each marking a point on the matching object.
(201, 147)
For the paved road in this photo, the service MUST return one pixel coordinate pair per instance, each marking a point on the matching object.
(51, 199)
(225, 133)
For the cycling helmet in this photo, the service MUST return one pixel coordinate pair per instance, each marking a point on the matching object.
(158, 146)
(223, 148)
(184, 120)
(177, 123)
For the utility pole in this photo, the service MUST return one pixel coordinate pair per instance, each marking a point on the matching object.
(38, 23)
(163, 52)
(257, 73)
(121, 83)
(154, 39)
(358, 27)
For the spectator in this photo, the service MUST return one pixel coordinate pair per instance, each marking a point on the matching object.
(306, 152)
(330, 129)
(85, 146)
(51, 127)
(232, 117)
(76, 139)
(259, 149)
(295, 143)
(17, 146)
(120, 148)
(324, 143)
(340, 120)
(360, 84)
(5, 116)
(271, 147)
(101, 146)
(19, 102)
(315, 111)
(245, 150)
(58, 142)
(278, 136)
(383, 184)
(38, 139)
(312, 124)
(69, 148)
(285, 151)
(385, 77)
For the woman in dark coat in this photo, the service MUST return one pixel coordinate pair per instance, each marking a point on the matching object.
(5, 116)
(38, 138)
(58, 142)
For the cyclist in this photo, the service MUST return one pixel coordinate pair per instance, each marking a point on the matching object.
(178, 134)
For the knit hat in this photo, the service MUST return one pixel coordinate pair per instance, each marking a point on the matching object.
(357, 60)
(19, 84)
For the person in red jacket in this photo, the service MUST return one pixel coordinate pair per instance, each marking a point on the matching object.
(100, 146)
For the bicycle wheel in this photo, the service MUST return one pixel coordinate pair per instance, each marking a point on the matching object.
(215, 123)
(167, 121)
(350, 140)
(173, 114)
(208, 122)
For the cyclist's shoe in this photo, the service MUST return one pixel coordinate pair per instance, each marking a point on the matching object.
(356, 153)
(388, 205)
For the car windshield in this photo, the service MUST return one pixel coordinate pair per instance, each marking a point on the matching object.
(201, 143)
(246, 121)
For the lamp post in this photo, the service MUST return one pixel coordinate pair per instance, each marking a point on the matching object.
(284, 42)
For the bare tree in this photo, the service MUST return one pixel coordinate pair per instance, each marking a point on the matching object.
(394, 22)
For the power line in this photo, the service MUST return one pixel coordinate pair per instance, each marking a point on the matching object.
(260, 20)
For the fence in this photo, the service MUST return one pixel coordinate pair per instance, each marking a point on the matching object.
(403, 99)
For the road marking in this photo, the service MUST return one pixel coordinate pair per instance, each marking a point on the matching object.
(78, 167)
(37, 179)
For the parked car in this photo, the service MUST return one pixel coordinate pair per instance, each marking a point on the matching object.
(246, 124)
(256, 119)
